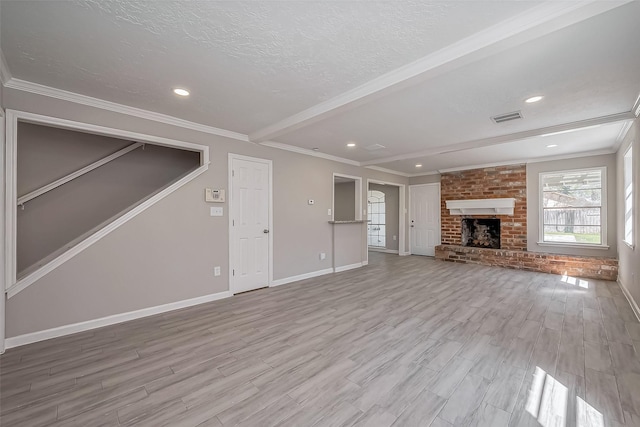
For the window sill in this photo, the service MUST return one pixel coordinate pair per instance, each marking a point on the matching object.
(629, 245)
(574, 245)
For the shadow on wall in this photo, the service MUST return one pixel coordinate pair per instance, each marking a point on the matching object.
(50, 223)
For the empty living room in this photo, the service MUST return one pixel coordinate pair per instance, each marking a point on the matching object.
(319, 213)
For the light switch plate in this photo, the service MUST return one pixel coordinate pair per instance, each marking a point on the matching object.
(216, 211)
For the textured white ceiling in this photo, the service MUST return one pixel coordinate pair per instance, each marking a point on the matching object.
(252, 64)
(247, 64)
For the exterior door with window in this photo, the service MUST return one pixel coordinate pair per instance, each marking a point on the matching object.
(250, 233)
(376, 216)
(424, 218)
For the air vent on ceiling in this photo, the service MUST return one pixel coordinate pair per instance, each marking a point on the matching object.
(374, 147)
(507, 117)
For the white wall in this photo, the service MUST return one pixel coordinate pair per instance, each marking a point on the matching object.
(167, 253)
(629, 257)
(533, 203)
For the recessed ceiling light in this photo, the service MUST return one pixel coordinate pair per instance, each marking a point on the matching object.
(181, 92)
(552, 145)
(418, 165)
(351, 144)
(533, 99)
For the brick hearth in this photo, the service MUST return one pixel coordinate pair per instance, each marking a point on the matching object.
(588, 267)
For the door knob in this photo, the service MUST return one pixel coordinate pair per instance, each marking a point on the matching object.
(265, 231)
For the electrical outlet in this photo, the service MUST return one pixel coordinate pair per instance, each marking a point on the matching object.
(216, 271)
(395, 237)
(322, 256)
(329, 212)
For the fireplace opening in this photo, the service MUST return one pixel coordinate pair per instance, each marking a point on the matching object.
(481, 232)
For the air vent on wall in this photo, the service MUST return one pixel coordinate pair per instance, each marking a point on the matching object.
(507, 117)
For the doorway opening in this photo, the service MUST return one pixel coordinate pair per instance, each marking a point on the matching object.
(386, 214)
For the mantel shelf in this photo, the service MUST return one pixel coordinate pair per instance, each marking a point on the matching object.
(481, 206)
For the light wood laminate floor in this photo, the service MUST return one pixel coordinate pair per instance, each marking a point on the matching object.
(405, 341)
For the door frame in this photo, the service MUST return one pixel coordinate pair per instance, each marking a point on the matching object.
(232, 157)
(3, 253)
(439, 239)
(402, 212)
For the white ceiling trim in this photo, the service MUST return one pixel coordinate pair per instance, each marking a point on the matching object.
(312, 153)
(5, 74)
(26, 86)
(391, 171)
(487, 142)
(531, 24)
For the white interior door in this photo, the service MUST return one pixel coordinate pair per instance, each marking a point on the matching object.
(250, 224)
(425, 218)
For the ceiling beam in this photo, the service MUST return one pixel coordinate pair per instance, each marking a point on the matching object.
(529, 25)
(502, 139)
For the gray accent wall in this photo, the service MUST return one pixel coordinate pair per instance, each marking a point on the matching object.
(344, 201)
(50, 222)
(629, 257)
(533, 203)
(167, 253)
(392, 219)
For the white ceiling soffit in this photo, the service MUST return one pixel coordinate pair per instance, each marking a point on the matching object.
(596, 140)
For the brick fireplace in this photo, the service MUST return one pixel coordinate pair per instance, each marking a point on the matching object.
(505, 182)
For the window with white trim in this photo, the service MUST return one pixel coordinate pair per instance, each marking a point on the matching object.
(573, 207)
(628, 196)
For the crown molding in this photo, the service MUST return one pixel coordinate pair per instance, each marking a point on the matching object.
(391, 171)
(307, 152)
(534, 23)
(38, 89)
(622, 135)
(5, 74)
(487, 142)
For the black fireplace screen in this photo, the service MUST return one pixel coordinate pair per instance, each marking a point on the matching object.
(481, 232)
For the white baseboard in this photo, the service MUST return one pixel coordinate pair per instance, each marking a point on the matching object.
(365, 262)
(291, 279)
(348, 267)
(404, 253)
(632, 302)
(109, 320)
(383, 250)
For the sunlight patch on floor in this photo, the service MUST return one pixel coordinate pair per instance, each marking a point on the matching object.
(548, 400)
(575, 282)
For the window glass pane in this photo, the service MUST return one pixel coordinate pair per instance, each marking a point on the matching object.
(578, 198)
(572, 234)
(572, 206)
(572, 180)
(572, 216)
